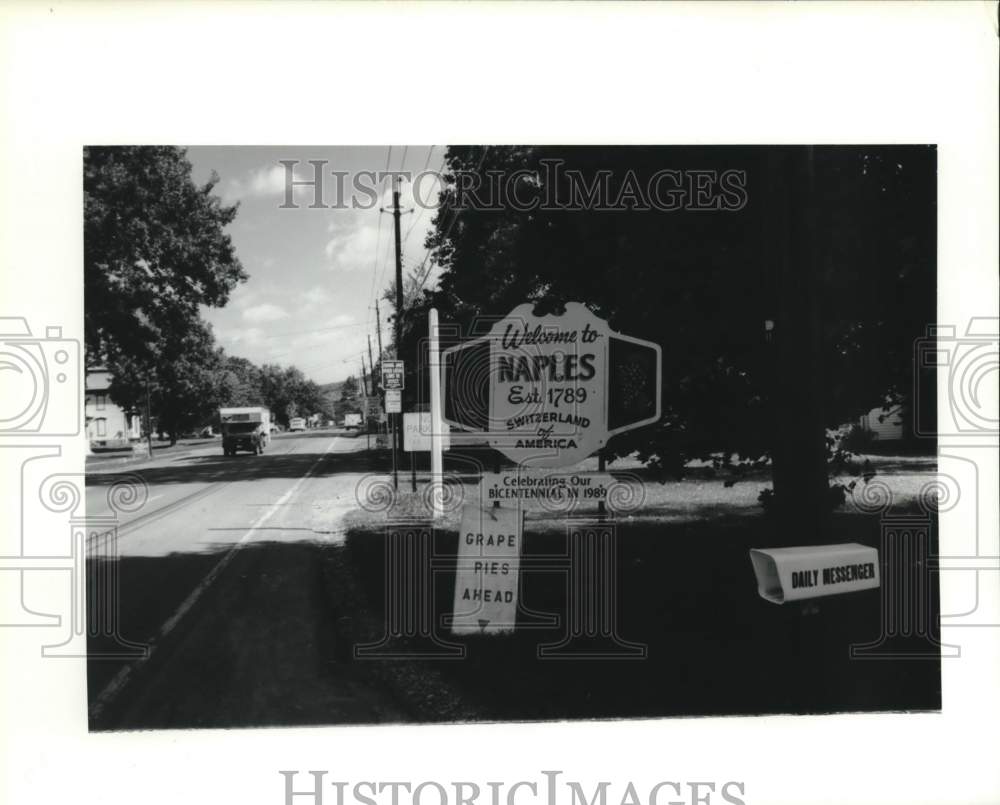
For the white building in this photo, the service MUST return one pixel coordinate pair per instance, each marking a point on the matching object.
(108, 425)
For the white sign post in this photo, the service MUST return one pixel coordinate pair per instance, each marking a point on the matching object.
(437, 423)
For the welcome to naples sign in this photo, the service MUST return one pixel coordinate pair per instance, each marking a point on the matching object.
(548, 391)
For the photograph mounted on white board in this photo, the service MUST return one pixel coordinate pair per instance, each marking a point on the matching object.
(447, 433)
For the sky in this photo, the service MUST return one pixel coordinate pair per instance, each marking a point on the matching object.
(314, 273)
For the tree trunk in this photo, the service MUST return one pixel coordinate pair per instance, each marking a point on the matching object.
(801, 493)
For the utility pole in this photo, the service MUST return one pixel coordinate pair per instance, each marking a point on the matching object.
(364, 410)
(397, 418)
(374, 393)
(396, 215)
(378, 332)
(398, 321)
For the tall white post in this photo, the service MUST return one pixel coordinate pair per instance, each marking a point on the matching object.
(437, 422)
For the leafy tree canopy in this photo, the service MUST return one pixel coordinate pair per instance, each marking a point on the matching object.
(702, 283)
(155, 248)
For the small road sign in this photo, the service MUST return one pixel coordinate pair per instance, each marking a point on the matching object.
(392, 375)
(417, 430)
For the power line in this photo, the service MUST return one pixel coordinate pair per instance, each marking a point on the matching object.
(423, 209)
(447, 231)
(428, 160)
(378, 244)
(314, 330)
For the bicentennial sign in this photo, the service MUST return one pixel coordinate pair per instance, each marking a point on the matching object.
(557, 490)
(489, 550)
(548, 391)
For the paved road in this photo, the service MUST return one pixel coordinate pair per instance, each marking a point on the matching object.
(221, 577)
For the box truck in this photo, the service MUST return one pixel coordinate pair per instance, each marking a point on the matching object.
(245, 429)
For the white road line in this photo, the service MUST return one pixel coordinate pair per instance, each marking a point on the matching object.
(122, 677)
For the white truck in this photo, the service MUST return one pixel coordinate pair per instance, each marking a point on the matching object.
(245, 429)
(352, 420)
(296, 423)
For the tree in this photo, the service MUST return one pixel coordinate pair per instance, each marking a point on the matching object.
(702, 283)
(239, 382)
(154, 250)
(349, 390)
(348, 402)
(288, 393)
(182, 383)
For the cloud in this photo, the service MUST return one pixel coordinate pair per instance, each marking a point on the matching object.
(264, 313)
(354, 249)
(317, 295)
(245, 336)
(263, 182)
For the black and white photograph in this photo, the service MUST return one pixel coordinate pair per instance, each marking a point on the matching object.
(447, 433)
(490, 403)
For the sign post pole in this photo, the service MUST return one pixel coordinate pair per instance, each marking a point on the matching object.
(437, 464)
(395, 469)
(392, 385)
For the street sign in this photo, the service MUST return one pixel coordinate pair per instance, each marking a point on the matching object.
(392, 375)
(489, 548)
(373, 408)
(417, 433)
(393, 401)
(548, 391)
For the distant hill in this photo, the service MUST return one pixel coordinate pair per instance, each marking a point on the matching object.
(332, 390)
